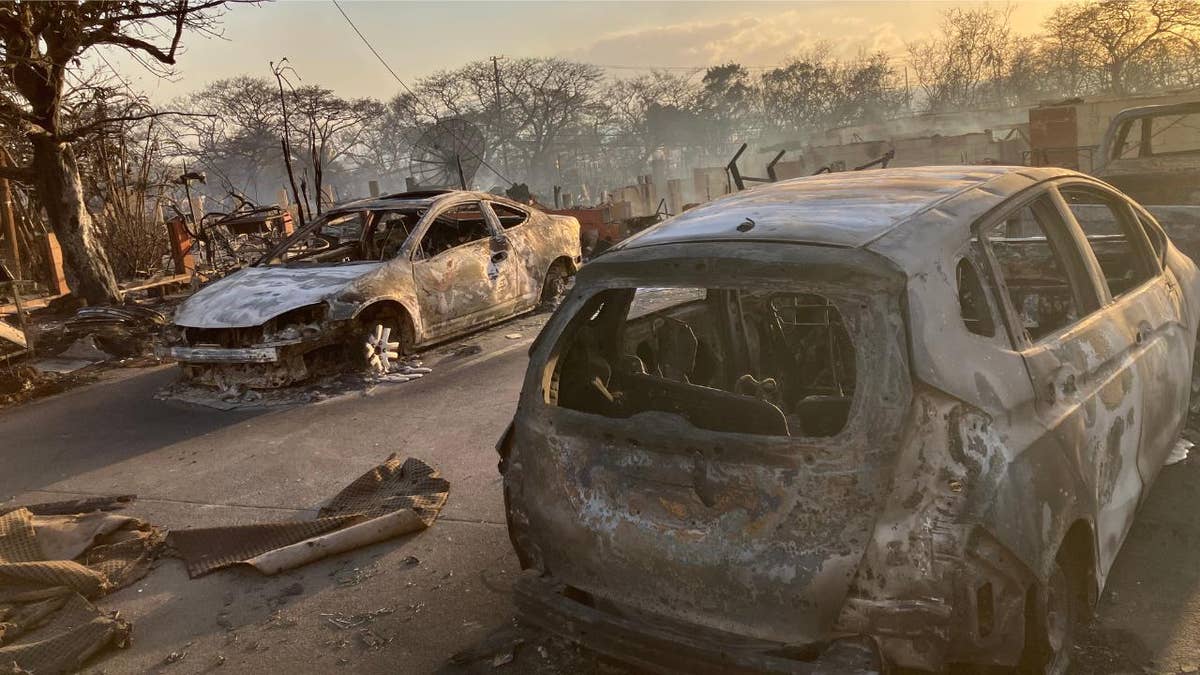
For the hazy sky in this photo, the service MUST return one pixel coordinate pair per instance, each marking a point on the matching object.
(417, 38)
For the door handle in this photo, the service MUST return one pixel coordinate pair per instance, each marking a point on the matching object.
(499, 256)
(1143, 332)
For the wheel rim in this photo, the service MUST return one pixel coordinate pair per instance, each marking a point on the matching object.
(379, 350)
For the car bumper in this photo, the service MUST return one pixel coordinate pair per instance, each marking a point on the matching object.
(220, 354)
(658, 647)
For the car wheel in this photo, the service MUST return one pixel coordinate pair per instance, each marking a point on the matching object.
(554, 288)
(381, 342)
(1051, 625)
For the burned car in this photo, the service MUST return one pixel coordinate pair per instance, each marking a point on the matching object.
(371, 280)
(895, 418)
(1152, 153)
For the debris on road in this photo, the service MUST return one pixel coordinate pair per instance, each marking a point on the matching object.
(72, 506)
(86, 349)
(25, 383)
(1180, 452)
(12, 342)
(238, 396)
(397, 497)
(463, 351)
(344, 622)
(50, 568)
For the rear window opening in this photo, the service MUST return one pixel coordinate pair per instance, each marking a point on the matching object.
(763, 362)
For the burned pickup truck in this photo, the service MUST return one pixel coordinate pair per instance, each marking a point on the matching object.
(844, 423)
(1152, 153)
(372, 280)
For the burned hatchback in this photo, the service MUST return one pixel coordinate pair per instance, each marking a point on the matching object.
(897, 418)
(372, 280)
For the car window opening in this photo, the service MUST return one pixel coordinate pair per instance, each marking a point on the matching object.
(457, 226)
(1157, 136)
(1109, 226)
(972, 302)
(1034, 273)
(742, 361)
(508, 216)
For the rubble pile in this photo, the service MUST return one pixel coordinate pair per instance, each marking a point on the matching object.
(57, 558)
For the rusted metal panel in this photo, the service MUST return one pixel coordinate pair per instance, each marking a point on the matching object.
(1053, 136)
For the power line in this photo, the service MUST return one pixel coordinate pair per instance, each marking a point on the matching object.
(416, 98)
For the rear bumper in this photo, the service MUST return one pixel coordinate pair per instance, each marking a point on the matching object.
(662, 648)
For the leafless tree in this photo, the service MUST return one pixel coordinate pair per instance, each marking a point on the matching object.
(329, 128)
(40, 42)
(232, 136)
(966, 63)
(280, 72)
(1118, 38)
(383, 148)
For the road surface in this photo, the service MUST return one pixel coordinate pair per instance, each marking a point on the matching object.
(193, 466)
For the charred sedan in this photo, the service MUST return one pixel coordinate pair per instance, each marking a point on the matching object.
(371, 280)
(848, 422)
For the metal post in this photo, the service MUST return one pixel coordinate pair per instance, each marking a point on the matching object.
(10, 228)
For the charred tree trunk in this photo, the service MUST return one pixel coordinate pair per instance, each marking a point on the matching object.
(61, 193)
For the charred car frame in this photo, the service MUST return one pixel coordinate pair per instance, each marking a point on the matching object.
(843, 423)
(371, 280)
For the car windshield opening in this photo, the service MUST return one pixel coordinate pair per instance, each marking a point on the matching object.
(763, 362)
(348, 236)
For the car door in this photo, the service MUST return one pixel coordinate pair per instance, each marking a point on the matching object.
(1146, 301)
(521, 267)
(1076, 350)
(456, 269)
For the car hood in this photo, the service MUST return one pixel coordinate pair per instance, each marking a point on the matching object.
(253, 295)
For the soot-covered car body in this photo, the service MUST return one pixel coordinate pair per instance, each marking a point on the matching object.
(407, 269)
(845, 422)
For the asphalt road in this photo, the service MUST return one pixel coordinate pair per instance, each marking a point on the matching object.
(193, 466)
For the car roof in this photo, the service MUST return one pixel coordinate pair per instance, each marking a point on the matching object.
(846, 209)
(415, 199)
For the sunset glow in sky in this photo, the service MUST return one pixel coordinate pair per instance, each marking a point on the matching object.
(417, 38)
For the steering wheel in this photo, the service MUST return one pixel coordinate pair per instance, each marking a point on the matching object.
(310, 245)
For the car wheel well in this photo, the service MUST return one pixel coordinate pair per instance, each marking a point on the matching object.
(554, 282)
(394, 313)
(383, 308)
(1076, 554)
(1056, 608)
(565, 262)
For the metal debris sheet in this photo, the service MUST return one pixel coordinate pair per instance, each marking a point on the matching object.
(50, 567)
(394, 498)
(209, 549)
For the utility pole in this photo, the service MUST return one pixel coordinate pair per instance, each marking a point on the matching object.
(907, 92)
(499, 126)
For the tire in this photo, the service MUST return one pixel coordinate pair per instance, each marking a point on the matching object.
(1051, 625)
(554, 287)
